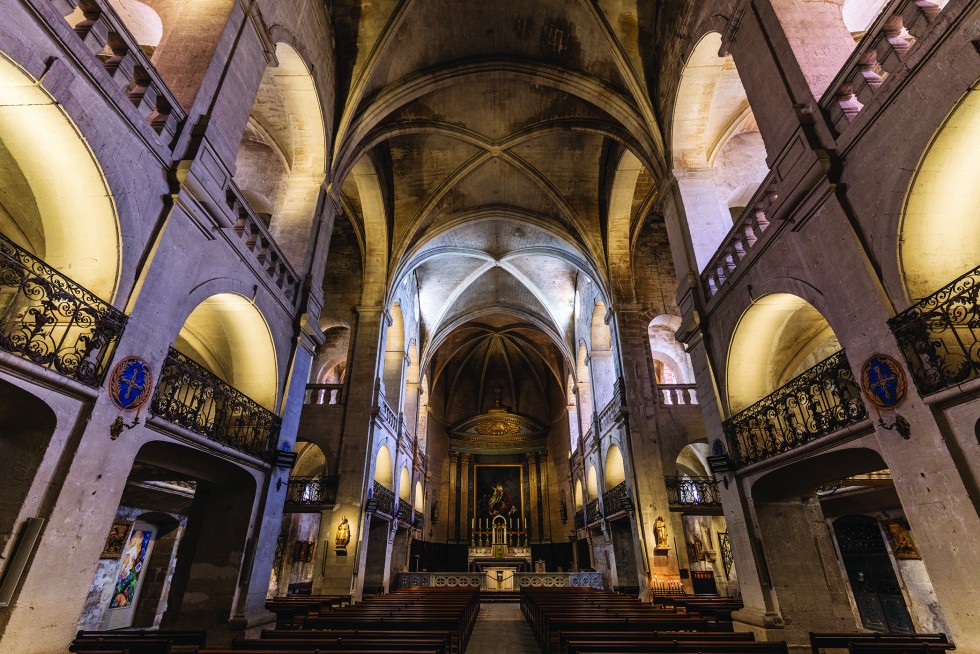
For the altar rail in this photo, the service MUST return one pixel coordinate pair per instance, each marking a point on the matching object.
(522, 579)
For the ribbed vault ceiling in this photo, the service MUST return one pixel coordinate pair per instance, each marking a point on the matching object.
(481, 141)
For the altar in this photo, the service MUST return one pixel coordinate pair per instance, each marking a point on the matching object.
(499, 552)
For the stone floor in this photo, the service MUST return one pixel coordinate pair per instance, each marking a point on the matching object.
(501, 629)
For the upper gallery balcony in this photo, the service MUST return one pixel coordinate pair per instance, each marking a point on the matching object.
(940, 335)
(820, 401)
(692, 493)
(192, 397)
(48, 319)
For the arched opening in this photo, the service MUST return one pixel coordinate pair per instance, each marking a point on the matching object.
(939, 238)
(67, 220)
(719, 157)
(394, 361)
(176, 545)
(281, 160)
(142, 21)
(26, 427)
(813, 504)
(584, 390)
(778, 337)
(601, 355)
(671, 363)
(615, 470)
(422, 430)
(419, 504)
(579, 495)
(859, 14)
(405, 485)
(592, 483)
(574, 429)
(228, 336)
(410, 405)
(383, 471)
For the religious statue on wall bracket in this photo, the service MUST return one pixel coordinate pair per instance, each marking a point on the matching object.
(660, 533)
(342, 538)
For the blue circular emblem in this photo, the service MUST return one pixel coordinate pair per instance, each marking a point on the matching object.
(883, 381)
(130, 383)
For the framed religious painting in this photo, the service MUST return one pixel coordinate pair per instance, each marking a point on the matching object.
(498, 491)
(115, 542)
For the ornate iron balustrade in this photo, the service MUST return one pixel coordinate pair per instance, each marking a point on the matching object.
(521, 580)
(940, 335)
(677, 394)
(692, 491)
(192, 397)
(592, 512)
(312, 492)
(382, 500)
(818, 402)
(324, 394)
(727, 558)
(48, 319)
(616, 499)
(580, 519)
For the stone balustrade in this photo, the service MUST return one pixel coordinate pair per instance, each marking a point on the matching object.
(324, 394)
(741, 239)
(255, 237)
(110, 42)
(882, 51)
(672, 395)
(521, 580)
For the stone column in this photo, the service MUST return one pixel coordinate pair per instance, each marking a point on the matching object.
(533, 524)
(338, 572)
(453, 497)
(465, 474)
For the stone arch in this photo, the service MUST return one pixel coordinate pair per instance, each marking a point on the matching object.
(68, 220)
(692, 460)
(579, 495)
(779, 336)
(310, 460)
(394, 358)
(615, 468)
(404, 485)
(939, 234)
(281, 161)
(602, 363)
(574, 427)
(384, 473)
(422, 422)
(27, 424)
(412, 390)
(228, 335)
(419, 503)
(671, 363)
(584, 388)
(719, 157)
(592, 482)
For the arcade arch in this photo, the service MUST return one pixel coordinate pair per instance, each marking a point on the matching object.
(384, 473)
(615, 469)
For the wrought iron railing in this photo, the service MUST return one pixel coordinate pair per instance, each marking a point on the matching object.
(692, 491)
(324, 394)
(311, 492)
(192, 397)
(727, 558)
(592, 512)
(816, 403)
(940, 335)
(382, 500)
(616, 499)
(50, 320)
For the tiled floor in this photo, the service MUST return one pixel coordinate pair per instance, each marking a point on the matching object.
(501, 629)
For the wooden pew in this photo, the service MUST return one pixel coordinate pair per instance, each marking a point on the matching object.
(180, 641)
(821, 641)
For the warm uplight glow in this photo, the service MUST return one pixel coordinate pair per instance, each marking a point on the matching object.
(404, 485)
(228, 335)
(940, 234)
(76, 211)
(419, 497)
(383, 473)
(778, 337)
(592, 483)
(615, 470)
(579, 497)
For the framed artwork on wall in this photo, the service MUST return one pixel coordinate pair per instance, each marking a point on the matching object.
(498, 490)
(115, 542)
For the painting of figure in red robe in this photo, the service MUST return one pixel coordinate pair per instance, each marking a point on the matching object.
(498, 492)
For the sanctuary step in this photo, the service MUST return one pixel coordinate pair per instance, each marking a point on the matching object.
(499, 596)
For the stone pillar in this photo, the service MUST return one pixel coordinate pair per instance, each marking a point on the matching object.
(465, 474)
(708, 217)
(535, 500)
(453, 497)
(342, 572)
